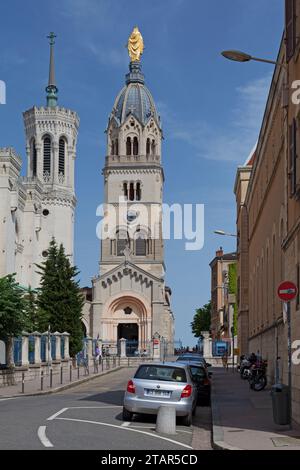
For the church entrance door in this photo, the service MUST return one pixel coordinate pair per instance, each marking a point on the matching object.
(130, 332)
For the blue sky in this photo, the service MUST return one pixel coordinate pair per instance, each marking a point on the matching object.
(211, 108)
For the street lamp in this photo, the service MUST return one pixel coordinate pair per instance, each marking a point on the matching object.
(239, 56)
(221, 232)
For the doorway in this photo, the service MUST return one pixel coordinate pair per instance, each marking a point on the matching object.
(130, 332)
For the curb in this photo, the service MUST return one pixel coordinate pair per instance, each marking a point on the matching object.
(63, 387)
(218, 442)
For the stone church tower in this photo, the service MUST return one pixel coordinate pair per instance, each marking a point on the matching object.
(130, 299)
(40, 205)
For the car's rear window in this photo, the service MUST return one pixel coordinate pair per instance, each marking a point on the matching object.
(165, 373)
(198, 371)
(190, 358)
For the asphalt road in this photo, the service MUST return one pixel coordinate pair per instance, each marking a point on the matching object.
(89, 416)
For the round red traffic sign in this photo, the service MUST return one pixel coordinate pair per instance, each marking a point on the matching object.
(287, 291)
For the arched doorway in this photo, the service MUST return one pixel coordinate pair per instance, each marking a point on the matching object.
(130, 332)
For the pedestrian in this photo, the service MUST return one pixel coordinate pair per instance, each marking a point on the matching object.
(98, 354)
(225, 360)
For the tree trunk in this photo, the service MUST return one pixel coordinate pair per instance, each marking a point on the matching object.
(9, 352)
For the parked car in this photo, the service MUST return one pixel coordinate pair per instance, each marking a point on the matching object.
(202, 379)
(156, 384)
(189, 357)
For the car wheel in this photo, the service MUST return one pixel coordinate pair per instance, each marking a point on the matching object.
(127, 415)
(187, 420)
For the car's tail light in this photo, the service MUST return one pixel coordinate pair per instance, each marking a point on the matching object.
(130, 387)
(187, 391)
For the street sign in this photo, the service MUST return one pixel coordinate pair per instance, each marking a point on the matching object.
(287, 291)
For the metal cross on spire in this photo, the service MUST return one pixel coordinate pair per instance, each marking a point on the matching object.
(52, 37)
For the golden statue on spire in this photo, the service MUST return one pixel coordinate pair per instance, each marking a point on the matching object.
(135, 45)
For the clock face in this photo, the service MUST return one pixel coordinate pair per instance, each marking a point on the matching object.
(131, 216)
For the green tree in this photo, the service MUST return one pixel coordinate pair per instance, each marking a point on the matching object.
(232, 288)
(30, 311)
(201, 320)
(12, 320)
(60, 301)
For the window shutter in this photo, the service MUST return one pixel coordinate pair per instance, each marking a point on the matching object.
(293, 157)
(290, 27)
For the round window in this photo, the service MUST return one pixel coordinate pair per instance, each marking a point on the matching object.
(46, 212)
(45, 254)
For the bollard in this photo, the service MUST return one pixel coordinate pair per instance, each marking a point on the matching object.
(102, 365)
(128, 362)
(51, 375)
(61, 375)
(71, 373)
(119, 361)
(78, 372)
(42, 380)
(23, 382)
(166, 420)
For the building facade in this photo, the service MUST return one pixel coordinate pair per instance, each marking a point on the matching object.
(268, 219)
(39, 206)
(130, 298)
(222, 300)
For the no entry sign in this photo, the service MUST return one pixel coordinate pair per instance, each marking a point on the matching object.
(287, 291)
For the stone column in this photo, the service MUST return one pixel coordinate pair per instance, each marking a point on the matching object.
(89, 349)
(67, 345)
(25, 345)
(37, 347)
(123, 347)
(57, 346)
(207, 344)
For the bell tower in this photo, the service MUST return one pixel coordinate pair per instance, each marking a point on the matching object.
(51, 137)
(133, 173)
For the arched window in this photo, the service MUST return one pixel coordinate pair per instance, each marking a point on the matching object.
(125, 190)
(117, 147)
(61, 157)
(138, 192)
(113, 148)
(148, 147)
(140, 244)
(135, 146)
(131, 192)
(33, 158)
(153, 147)
(122, 241)
(47, 156)
(128, 146)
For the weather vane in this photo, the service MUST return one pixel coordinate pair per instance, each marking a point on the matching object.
(135, 45)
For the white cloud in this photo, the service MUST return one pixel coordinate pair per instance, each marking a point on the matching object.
(236, 138)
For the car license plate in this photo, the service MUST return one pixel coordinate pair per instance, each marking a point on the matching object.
(157, 393)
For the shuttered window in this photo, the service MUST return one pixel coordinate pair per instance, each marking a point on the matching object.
(293, 157)
(34, 158)
(290, 27)
(140, 245)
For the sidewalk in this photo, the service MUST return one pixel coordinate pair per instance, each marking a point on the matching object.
(243, 419)
(33, 387)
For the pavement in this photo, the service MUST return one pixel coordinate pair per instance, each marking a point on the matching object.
(242, 419)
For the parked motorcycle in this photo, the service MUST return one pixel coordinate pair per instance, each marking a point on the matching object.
(244, 368)
(258, 376)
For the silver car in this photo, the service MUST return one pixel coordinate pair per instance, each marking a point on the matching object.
(156, 384)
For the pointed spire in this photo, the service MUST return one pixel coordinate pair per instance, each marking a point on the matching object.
(51, 88)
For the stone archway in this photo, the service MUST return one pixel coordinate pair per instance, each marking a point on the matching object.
(126, 309)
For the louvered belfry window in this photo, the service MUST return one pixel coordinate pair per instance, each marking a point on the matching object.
(61, 157)
(290, 27)
(47, 156)
(140, 245)
(34, 158)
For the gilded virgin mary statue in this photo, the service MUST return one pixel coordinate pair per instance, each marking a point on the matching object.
(135, 45)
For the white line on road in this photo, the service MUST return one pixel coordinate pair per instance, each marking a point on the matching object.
(57, 414)
(127, 429)
(4, 399)
(43, 438)
(125, 424)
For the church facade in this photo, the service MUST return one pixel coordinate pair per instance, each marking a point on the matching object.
(41, 205)
(129, 297)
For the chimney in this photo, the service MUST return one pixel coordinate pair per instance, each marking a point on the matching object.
(219, 252)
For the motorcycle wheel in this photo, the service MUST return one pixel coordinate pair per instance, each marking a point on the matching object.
(259, 384)
(245, 374)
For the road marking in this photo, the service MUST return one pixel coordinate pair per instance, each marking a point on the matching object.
(57, 414)
(43, 438)
(126, 429)
(93, 407)
(4, 399)
(125, 424)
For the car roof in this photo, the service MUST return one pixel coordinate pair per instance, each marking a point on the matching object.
(160, 363)
(194, 363)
